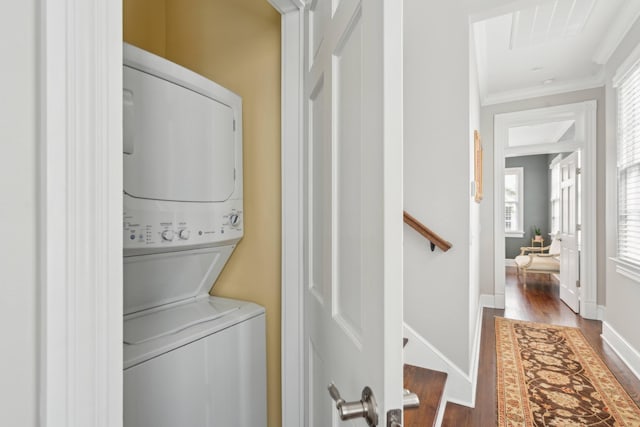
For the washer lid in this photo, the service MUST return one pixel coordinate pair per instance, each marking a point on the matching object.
(171, 320)
(166, 278)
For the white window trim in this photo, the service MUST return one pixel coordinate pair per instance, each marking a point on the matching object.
(627, 269)
(626, 67)
(519, 171)
(517, 234)
(624, 267)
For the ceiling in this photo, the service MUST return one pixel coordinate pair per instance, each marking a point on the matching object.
(541, 47)
(541, 133)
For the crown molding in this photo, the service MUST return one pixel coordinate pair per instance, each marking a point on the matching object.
(538, 91)
(623, 21)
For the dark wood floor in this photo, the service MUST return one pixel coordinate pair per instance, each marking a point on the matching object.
(429, 386)
(539, 301)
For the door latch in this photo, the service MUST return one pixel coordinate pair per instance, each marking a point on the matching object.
(394, 418)
(365, 408)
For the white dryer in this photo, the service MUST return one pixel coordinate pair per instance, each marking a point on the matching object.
(189, 359)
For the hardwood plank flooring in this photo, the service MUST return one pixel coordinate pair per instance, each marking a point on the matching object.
(429, 386)
(538, 301)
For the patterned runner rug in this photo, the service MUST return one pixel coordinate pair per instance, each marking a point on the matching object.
(550, 376)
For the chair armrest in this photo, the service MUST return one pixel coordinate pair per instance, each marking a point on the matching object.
(525, 249)
(527, 265)
(536, 249)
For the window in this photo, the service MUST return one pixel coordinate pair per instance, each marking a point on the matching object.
(513, 202)
(629, 166)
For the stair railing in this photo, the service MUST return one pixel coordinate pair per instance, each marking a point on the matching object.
(433, 238)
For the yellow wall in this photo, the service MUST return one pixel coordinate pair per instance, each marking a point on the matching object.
(144, 25)
(235, 43)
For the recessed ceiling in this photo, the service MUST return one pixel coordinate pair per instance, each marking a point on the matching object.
(542, 133)
(548, 22)
(546, 47)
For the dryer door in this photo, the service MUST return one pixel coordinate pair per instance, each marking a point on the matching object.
(178, 144)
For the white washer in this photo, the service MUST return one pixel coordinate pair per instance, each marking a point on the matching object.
(189, 359)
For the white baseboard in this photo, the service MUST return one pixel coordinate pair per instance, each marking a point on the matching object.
(487, 301)
(589, 310)
(509, 262)
(498, 301)
(629, 355)
(461, 386)
(420, 352)
(593, 311)
(442, 408)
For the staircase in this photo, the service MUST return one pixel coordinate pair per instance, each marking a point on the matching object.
(429, 386)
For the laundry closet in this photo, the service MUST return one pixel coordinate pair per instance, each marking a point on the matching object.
(236, 44)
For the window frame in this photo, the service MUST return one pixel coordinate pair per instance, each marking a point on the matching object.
(519, 173)
(628, 73)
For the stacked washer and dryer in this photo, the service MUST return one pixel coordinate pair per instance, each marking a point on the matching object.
(190, 359)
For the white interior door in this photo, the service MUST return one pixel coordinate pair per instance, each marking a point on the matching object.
(569, 230)
(353, 206)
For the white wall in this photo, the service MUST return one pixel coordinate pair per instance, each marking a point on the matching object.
(436, 174)
(474, 207)
(440, 288)
(623, 294)
(486, 210)
(18, 208)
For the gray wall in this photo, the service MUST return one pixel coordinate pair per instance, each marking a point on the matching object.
(18, 209)
(487, 114)
(536, 200)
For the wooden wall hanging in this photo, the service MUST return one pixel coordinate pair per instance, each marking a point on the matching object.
(478, 165)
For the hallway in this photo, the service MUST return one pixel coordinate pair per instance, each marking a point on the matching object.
(538, 302)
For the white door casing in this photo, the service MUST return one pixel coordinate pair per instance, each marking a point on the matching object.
(569, 253)
(584, 114)
(353, 206)
(65, 30)
(82, 41)
(80, 213)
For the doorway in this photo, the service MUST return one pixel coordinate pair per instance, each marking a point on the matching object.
(541, 212)
(81, 272)
(577, 121)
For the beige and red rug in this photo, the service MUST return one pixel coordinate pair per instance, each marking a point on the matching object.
(550, 376)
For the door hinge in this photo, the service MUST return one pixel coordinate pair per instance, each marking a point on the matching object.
(394, 418)
(234, 125)
(577, 283)
(578, 227)
(578, 171)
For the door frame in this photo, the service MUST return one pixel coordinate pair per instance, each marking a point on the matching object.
(292, 177)
(584, 113)
(80, 212)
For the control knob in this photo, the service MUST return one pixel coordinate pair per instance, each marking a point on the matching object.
(234, 219)
(184, 234)
(167, 235)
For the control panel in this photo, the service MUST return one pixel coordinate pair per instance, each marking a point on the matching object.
(158, 226)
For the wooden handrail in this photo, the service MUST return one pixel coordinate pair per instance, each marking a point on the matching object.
(427, 233)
